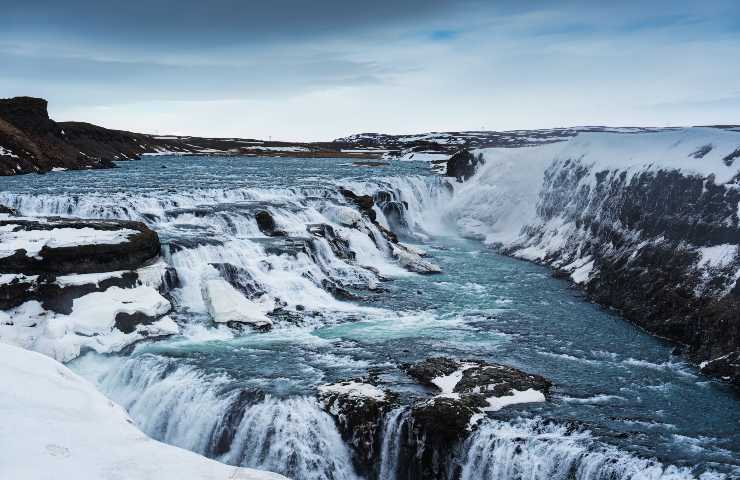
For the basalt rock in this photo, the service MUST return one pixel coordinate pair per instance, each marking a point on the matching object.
(266, 224)
(240, 279)
(644, 238)
(463, 165)
(339, 246)
(428, 429)
(139, 246)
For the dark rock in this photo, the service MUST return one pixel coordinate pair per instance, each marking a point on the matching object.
(726, 367)
(139, 247)
(16, 292)
(364, 202)
(339, 246)
(430, 431)
(463, 165)
(127, 322)
(180, 244)
(9, 211)
(267, 224)
(60, 299)
(358, 418)
(240, 279)
(642, 236)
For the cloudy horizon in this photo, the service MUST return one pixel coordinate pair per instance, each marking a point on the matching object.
(295, 70)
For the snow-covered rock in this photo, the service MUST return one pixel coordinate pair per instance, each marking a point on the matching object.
(412, 261)
(105, 321)
(57, 425)
(226, 304)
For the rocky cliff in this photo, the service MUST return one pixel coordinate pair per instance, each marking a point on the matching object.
(646, 223)
(32, 142)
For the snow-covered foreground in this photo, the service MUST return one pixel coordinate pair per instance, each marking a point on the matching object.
(57, 425)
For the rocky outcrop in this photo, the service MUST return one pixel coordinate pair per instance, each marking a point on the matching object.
(266, 224)
(32, 142)
(463, 165)
(406, 256)
(67, 285)
(420, 434)
(60, 246)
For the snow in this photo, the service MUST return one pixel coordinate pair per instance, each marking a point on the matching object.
(717, 256)
(87, 278)
(424, 156)
(7, 152)
(57, 425)
(153, 275)
(227, 304)
(447, 383)
(353, 389)
(413, 261)
(582, 273)
(32, 241)
(6, 278)
(89, 326)
(516, 397)
(279, 149)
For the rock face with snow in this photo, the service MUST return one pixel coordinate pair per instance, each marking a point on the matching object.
(645, 222)
(59, 246)
(57, 425)
(71, 285)
(428, 426)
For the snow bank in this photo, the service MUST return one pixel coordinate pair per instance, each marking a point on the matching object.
(353, 389)
(91, 325)
(57, 425)
(32, 241)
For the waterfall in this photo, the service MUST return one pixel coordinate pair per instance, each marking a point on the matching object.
(179, 404)
(391, 437)
(535, 449)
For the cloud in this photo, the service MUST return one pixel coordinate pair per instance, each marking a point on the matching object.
(319, 70)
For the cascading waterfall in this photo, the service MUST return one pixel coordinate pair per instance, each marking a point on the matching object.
(180, 405)
(535, 449)
(391, 438)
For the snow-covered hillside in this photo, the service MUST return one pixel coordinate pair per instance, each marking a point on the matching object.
(646, 222)
(57, 425)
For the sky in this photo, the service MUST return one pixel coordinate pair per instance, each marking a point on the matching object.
(316, 70)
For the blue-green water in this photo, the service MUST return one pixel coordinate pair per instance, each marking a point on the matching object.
(622, 385)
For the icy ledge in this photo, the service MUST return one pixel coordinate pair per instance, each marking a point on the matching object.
(57, 425)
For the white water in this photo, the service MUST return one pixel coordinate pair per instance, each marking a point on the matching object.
(538, 450)
(391, 443)
(180, 405)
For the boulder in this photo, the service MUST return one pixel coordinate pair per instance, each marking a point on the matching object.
(428, 428)
(463, 165)
(61, 246)
(266, 224)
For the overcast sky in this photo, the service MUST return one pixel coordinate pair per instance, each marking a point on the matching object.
(316, 70)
